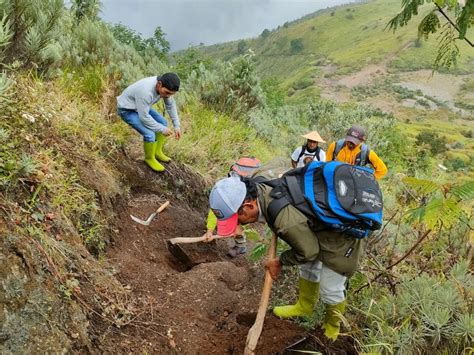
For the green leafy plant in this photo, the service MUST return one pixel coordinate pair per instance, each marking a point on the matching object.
(453, 30)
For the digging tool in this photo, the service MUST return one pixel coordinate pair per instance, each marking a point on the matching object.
(180, 254)
(256, 330)
(150, 218)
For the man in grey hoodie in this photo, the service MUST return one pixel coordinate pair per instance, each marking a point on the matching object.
(134, 106)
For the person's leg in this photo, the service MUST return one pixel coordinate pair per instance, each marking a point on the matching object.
(239, 247)
(332, 291)
(308, 292)
(160, 137)
(149, 143)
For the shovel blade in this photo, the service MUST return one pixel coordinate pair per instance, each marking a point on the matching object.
(180, 255)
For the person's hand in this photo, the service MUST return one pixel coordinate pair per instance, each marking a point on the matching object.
(274, 267)
(208, 236)
(177, 133)
(167, 132)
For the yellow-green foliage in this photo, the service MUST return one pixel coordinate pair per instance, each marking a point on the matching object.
(51, 137)
(212, 141)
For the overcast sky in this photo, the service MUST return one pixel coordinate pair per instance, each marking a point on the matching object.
(190, 22)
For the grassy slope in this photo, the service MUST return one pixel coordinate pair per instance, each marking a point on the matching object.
(344, 40)
(350, 37)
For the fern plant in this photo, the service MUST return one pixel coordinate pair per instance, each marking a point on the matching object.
(440, 205)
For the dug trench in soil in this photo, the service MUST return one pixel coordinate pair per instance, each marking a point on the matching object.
(198, 311)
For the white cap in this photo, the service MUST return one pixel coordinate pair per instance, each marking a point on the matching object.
(227, 196)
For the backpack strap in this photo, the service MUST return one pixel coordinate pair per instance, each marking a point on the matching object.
(316, 153)
(363, 157)
(337, 148)
(279, 201)
(303, 148)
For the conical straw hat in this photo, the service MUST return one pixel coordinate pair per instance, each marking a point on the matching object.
(314, 136)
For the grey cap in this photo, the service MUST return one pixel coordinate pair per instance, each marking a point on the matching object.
(356, 134)
(227, 196)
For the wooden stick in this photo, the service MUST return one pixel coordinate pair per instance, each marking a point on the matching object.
(256, 330)
(162, 207)
(185, 240)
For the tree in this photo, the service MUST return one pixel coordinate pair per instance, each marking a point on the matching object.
(157, 44)
(86, 8)
(265, 33)
(241, 47)
(451, 32)
(296, 45)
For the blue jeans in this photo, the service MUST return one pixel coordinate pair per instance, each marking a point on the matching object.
(131, 117)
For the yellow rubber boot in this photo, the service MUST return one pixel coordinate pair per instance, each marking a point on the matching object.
(309, 293)
(160, 142)
(150, 160)
(332, 320)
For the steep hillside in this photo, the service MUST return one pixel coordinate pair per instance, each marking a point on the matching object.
(345, 54)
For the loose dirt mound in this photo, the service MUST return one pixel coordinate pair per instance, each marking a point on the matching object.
(201, 311)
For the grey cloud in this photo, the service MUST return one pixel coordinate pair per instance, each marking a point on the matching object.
(190, 22)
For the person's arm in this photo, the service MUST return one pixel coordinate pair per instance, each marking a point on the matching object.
(294, 157)
(211, 226)
(170, 105)
(379, 166)
(211, 221)
(330, 151)
(143, 109)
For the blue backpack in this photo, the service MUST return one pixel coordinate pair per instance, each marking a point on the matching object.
(341, 197)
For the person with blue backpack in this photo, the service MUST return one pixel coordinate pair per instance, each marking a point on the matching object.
(324, 212)
(353, 150)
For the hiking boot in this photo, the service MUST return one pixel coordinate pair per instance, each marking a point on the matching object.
(236, 251)
(308, 295)
(160, 142)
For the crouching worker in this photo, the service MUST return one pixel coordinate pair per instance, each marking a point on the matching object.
(326, 257)
(134, 106)
(245, 166)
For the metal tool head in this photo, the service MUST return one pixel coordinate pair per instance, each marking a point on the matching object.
(141, 221)
(180, 255)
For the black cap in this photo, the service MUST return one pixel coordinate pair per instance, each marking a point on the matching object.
(170, 81)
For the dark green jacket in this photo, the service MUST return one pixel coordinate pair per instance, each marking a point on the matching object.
(338, 251)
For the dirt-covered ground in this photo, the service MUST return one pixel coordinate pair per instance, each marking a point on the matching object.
(204, 310)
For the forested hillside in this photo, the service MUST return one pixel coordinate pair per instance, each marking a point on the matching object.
(79, 275)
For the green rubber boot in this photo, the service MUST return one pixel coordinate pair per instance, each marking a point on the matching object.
(160, 142)
(332, 320)
(150, 160)
(309, 293)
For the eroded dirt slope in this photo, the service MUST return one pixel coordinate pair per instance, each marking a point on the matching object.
(200, 311)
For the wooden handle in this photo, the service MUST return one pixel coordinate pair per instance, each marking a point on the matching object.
(256, 330)
(193, 239)
(187, 240)
(162, 207)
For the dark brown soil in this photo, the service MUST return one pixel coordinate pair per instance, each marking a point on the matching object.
(200, 311)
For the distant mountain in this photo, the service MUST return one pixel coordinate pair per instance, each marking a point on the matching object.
(311, 56)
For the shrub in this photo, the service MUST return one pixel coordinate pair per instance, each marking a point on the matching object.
(303, 83)
(232, 87)
(241, 47)
(296, 45)
(436, 143)
(265, 33)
